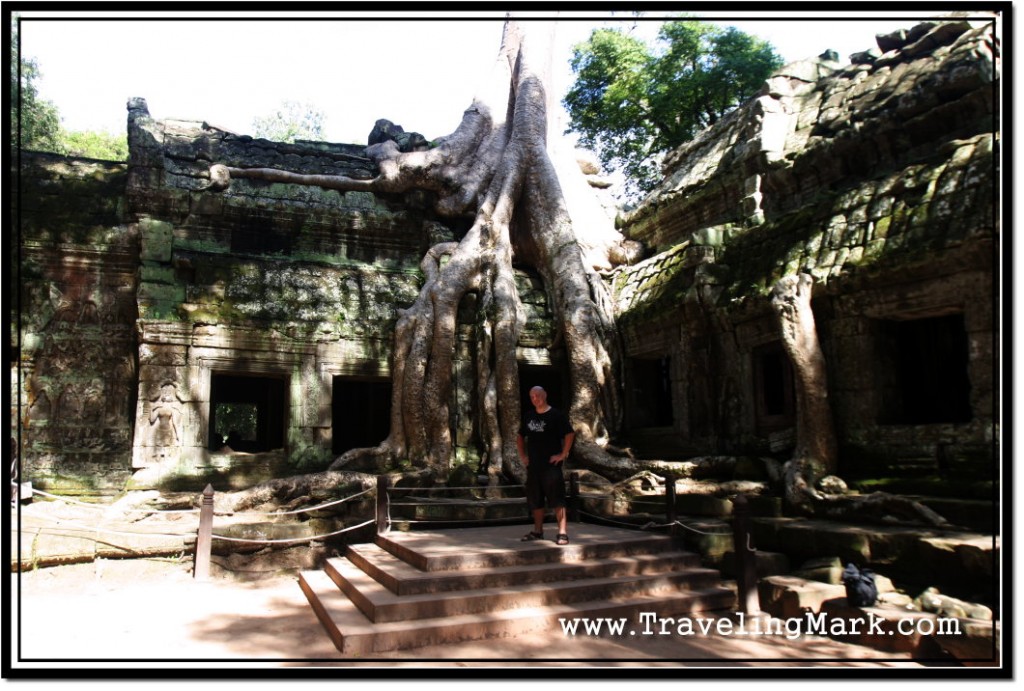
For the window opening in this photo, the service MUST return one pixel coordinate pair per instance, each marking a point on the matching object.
(360, 413)
(773, 388)
(247, 413)
(923, 371)
(652, 392)
(550, 378)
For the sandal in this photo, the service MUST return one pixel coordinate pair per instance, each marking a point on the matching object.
(562, 539)
(531, 536)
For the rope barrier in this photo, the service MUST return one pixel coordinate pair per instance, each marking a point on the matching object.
(97, 529)
(651, 524)
(88, 529)
(303, 510)
(445, 489)
(296, 539)
(429, 502)
(194, 511)
(694, 530)
(511, 519)
(612, 520)
(108, 507)
(465, 502)
(74, 525)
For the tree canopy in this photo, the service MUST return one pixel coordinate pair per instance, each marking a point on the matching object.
(291, 121)
(39, 124)
(632, 102)
(95, 144)
(39, 127)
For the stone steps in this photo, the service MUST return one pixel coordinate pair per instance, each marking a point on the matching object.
(415, 589)
(402, 578)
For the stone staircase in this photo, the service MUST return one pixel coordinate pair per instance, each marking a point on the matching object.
(413, 589)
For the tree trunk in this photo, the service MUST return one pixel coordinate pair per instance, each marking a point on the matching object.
(496, 165)
(816, 453)
(815, 438)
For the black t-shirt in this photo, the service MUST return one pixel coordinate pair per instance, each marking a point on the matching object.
(544, 433)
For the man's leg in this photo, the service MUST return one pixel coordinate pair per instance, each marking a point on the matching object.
(538, 520)
(560, 516)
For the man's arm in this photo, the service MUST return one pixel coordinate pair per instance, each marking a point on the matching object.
(566, 447)
(521, 445)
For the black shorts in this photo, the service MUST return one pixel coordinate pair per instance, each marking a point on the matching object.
(545, 486)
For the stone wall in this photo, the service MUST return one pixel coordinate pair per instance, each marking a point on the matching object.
(265, 281)
(74, 320)
(148, 302)
(878, 179)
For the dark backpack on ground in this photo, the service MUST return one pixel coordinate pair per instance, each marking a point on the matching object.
(861, 590)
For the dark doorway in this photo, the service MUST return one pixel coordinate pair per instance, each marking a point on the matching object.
(360, 413)
(550, 378)
(247, 412)
(651, 384)
(774, 406)
(923, 371)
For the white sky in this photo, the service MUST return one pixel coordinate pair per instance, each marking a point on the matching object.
(420, 72)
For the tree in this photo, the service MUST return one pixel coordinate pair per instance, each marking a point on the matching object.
(36, 121)
(95, 144)
(632, 102)
(39, 125)
(816, 453)
(498, 167)
(291, 121)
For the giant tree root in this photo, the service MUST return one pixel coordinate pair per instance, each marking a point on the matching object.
(877, 507)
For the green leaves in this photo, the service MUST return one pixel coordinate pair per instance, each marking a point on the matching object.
(94, 144)
(633, 102)
(39, 119)
(36, 122)
(291, 121)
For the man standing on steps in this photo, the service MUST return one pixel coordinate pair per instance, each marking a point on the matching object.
(544, 441)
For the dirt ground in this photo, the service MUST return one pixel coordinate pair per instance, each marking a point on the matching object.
(152, 613)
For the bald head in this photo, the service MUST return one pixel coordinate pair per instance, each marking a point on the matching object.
(539, 398)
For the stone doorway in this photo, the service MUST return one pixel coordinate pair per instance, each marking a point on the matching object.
(247, 412)
(650, 384)
(360, 412)
(774, 401)
(553, 381)
(923, 366)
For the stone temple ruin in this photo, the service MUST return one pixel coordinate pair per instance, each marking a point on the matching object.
(169, 334)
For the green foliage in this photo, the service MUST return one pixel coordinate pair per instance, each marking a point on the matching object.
(236, 421)
(102, 145)
(40, 120)
(632, 102)
(291, 121)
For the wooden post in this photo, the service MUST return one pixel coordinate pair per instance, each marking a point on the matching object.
(670, 507)
(574, 497)
(383, 505)
(204, 541)
(746, 564)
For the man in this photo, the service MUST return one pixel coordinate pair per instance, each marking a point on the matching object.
(544, 441)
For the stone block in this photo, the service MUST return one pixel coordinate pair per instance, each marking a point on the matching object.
(824, 570)
(749, 468)
(765, 564)
(793, 597)
(975, 644)
(156, 239)
(970, 557)
(765, 506)
(703, 505)
(150, 273)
